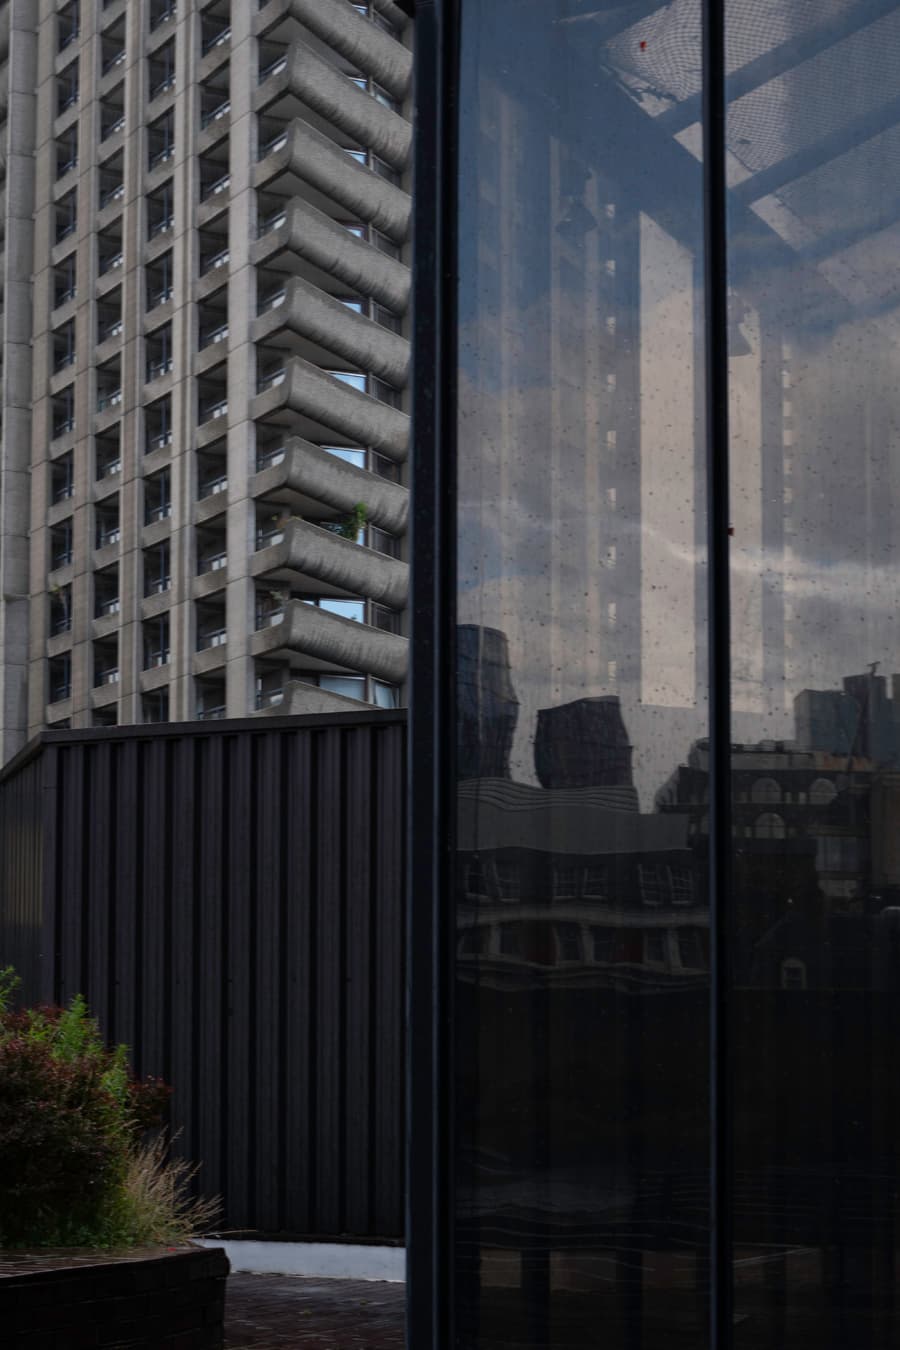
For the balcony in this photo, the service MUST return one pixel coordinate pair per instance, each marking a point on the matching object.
(365, 45)
(311, 165)
(327, 409)
(313, 325)
(326, 564)
(330, 642)
(310, 482)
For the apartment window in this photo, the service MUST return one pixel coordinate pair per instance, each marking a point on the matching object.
(354, 379)
(161, 139)
(388, 620)
(159, 352)
(62, 477)
(112, 47)
(214, 250)
(212, 550)
(272, 59)
(212, 397)
(568, 940)
(111, 180)
(269, 525)
(159, 280)
(109, 316)
(354, 610)
(270, 291)
(155, 633)
(272, 134)
(112, 112)
(155, 706)
(565, 881)
(270, 602)
(383, 542)
(158, 424)
(209, 699)
(215, 178)
(64, 281)
(109, 385)
(348, 686)
(161, 210)
(67, 25)
(161, 70)
(385, 695)
(109, 249)
(106, 523)
(105, 717)
(157, 497)
(269, 686)
(211, 630)
(63, 419)
(604, 944)
(215, 102)
(270, 368)
(215, 25)
(67, 151)
(67, 88)
(65, 216)
(59, 673)
(157, 569)
(106, 592)
(271, 212)
(64, 346)
(212, 470)
(106, 662)
(60, 610)
(213, 320)
(269, 448)
(161, 11)
(347, 454)
(61, 544)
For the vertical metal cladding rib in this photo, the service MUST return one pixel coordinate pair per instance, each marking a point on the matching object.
(360, 42)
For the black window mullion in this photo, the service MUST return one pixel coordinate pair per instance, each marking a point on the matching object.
(718, 553)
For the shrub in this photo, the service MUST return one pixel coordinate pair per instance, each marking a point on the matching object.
(73, 1168)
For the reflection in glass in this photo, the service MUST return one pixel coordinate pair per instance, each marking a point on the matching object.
(582, 924)
(813, 144)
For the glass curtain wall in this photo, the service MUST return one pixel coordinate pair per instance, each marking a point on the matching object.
(580, 817)
(813, 149)
(582, 924)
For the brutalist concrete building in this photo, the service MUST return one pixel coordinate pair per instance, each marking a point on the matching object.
(204, 271)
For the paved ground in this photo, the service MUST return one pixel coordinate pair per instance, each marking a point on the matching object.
(284, 1312)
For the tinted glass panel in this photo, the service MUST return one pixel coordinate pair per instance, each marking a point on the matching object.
(582, 925)
(814, 146)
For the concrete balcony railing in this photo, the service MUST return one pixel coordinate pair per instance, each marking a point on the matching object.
(330, 407)
(328, 326)
(308, 157)
(313, 482)
(316, 557)
(360, 42)
(322, 248)
(327, 92)
(331, 642)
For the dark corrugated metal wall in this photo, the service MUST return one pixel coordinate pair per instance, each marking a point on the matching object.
(230, 901)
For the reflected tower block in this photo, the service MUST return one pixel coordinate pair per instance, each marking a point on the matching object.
(488, 708)
(583, 744)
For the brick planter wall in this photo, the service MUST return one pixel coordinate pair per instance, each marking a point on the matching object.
(142, 1300)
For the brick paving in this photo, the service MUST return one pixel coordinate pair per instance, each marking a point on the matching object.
(286, 1312)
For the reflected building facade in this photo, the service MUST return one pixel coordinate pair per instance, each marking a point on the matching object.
(623, 864)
